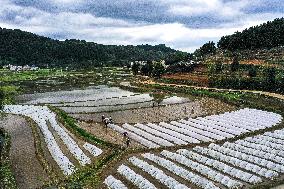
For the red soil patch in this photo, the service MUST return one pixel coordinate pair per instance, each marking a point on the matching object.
(253, 62)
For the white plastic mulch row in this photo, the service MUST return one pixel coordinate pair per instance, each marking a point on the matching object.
(114, 183)
(158, 174)
(42, 116)
(135, 178)
(68, 141)
(186, 131)
(173, 133)
(148, 136)
(115, 100)
(237, 162)
(95, 151)
(220, 166)
(204, 170)
(244, 156)
(231, 165)
(169, 137)
(255, 152)
(203, 129)
(134, 136)
(187, 175)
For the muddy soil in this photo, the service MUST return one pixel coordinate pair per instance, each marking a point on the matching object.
(200, 107)
(28, 171)
(107, 134)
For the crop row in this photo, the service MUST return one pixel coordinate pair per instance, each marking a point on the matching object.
(44, 117)
(207, 129)
(231, 165)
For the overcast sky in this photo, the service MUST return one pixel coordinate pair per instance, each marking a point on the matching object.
(180, 24)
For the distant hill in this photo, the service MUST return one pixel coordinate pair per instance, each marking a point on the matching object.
(20, 48)
(267, 35)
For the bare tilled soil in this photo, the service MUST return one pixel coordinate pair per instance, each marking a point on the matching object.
(212, 106)
(145, 115)
(28, 171)
(200, 107)
(107, 134)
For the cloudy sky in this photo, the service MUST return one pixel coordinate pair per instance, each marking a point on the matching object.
(180, 24)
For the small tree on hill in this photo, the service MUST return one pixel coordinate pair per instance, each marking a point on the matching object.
(252, 72)
(135, 68)
(270, 76)
(235, 64)
(159, 69)
(207, 48)
(2, 97)
(147, 69)
(218, 66)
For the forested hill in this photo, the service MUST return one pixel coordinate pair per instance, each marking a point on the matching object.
(267, 35)
(20, 48)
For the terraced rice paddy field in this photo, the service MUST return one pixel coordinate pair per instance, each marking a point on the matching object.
(175, 142)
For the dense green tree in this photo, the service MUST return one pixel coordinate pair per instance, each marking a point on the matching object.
(267, 35)
(135, 68)
(270, 77)
(218, 67)
(147, 69)
(177, 57)
(206, 49)
(159, 69)
(158, 96)
(235, 64)
(20, 48)
(2, 97)
(180, 67)
(252, 71)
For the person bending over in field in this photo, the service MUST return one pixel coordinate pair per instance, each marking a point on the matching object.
(106, 121)
(125, 135)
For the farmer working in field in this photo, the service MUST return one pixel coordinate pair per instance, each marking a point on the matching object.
(127, 142)
(106, 121)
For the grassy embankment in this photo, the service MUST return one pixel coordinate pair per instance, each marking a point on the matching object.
(6, 175)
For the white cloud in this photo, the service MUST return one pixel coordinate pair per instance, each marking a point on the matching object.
(106, 30)
(203, 7)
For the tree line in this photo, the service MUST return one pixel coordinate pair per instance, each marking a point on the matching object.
(266, 35)
(23, 48)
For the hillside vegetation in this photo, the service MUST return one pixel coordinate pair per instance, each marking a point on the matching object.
(252, 59)
(20, 48)
(267, 35)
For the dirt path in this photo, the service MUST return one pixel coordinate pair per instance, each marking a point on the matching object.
(275, 95)
(28, 171)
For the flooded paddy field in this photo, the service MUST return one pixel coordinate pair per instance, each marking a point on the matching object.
(56, 80)
(123, 106)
